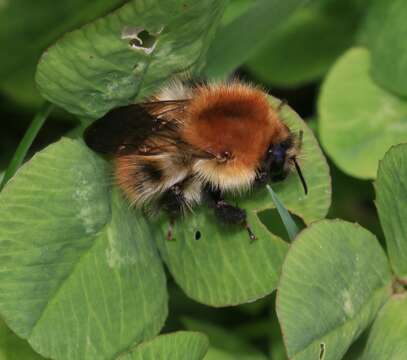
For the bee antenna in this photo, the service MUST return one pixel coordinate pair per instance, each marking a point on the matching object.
(304, 184)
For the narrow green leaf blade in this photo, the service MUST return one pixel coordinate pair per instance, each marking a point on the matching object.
(103, 65)
(26, 142)
(334, 280)
(387, 338)
(391, 195)
(80, 276)
(358, 120)
(223, 267)
(288, 221)
(181, 345)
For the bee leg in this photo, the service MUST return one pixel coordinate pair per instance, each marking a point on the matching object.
(252, 236)
(234, 215)
(261, 179)
(227, 213)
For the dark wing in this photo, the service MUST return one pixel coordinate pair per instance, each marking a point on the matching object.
(124, 129)
(126, 126)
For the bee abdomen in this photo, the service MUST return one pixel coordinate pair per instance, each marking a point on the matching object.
(151, 171)
(146, 179)
(139, 177)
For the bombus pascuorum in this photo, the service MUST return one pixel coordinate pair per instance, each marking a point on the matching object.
(189, 144)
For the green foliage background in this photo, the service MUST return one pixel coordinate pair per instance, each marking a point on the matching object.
(83, 276)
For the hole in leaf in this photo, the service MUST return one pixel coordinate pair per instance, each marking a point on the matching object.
(198, 235)
(272, 220)
(322, 348)
(135, 42)
(140, 39)
(141, 45)
(147, 40)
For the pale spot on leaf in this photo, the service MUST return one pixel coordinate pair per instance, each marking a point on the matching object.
(115, 256)
(84, 196)
(347, 304)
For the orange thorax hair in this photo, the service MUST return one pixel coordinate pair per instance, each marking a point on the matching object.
(236, 120)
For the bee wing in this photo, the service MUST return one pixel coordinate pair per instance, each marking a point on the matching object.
(124, 129)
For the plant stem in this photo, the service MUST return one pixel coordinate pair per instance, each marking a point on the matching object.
(26, 142)
(290, 225)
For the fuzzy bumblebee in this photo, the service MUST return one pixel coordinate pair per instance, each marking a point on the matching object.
(189, 144)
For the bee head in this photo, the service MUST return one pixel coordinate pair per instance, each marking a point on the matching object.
(277, 159)
(280, 159)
